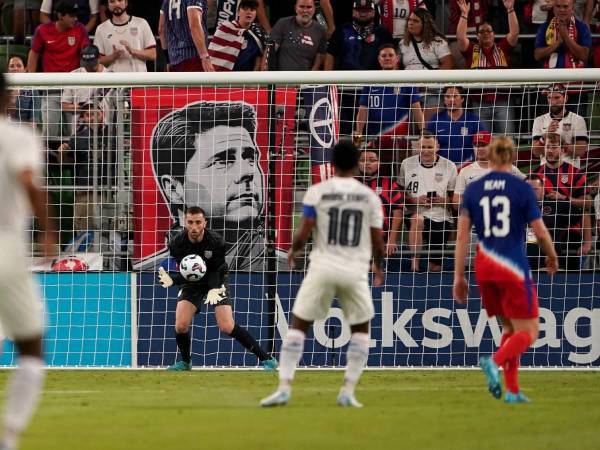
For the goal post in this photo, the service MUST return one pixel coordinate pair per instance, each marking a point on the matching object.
(127, 153)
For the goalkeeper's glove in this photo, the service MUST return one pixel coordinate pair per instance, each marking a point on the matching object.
(216, 295)
(164, 278)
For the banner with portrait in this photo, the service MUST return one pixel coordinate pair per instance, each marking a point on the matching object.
(209, 147)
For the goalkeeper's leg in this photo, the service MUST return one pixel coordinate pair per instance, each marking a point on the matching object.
(23, 391)
(184, 313)
(224, 316)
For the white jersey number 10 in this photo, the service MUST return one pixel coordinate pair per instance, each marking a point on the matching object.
(344, 228)
(502, 216)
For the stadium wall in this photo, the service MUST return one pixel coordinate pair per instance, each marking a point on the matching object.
(89, 323)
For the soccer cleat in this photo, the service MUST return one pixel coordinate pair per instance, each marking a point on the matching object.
(270, 365)
(277, 398)
(519, 397)
(348, 400)
(180, 366)
(490, 369)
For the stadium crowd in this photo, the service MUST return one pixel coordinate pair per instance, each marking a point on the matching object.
(417, 142)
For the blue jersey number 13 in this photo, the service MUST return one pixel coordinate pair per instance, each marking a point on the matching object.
(501, 228)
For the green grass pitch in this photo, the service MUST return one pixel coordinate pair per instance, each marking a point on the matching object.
(213, 410)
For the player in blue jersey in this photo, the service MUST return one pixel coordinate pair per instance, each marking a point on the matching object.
(183, 36)
(499, 205)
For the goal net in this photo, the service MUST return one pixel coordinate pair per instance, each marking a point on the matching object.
(124, 158)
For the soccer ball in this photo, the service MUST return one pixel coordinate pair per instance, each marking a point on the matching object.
(192, 268)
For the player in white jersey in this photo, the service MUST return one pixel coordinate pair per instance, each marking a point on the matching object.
(20, 309)
(347, 217)
(125, 42)
(474, 170)
(428, 180)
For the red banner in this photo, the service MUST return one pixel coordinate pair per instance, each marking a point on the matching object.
(209, 147)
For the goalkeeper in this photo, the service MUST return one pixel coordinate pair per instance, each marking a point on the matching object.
(195, 238)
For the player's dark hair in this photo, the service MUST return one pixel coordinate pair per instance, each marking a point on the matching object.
(195, 210)
(385, 46)
(501, 151)
(555, 138)
(248, 4)
(345, 155)
(460, 89)
(426, 134)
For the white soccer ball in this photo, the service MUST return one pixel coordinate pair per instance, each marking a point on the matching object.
(192, 268)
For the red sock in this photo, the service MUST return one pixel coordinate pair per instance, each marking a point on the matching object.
(511, 374)
(512, 348)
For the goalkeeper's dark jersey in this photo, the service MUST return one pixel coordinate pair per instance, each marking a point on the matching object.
(212, 250)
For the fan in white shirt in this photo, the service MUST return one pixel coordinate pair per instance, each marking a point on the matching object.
(429, 180)
(125, 42)
(570, 126)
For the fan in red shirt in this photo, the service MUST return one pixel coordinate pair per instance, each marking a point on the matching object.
(392, 197)
(486, 53)
(58, 43)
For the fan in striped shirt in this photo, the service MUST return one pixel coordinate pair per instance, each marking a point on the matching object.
(238, 44)
(392, 197)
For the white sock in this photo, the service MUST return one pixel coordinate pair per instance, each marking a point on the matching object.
(291, 352)
(357, 355)
(22, 396)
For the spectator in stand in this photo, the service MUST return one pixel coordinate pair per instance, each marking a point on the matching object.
(477, 15)
(20, 104)
(278, 9)
(299, 42)
(236, 46)
(74, 98)
(454, 127)
(377, 178)
(79, 150)
(559, 120)
(87, 12)
(387, 111)
(183, 36)
(494, 107)
(428, 180)
(355, 46)
(566, 204)
(227, 11)
(125, 42)
(424, 47)
(563, 42)
(26, 17)
(58, 45)
(394, 14)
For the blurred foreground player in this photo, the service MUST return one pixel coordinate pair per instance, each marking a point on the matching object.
(500, 206)
(212, 289)
(347, 217)
(20, 307)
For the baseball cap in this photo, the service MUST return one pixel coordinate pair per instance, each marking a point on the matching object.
(483, 137)
(89, 55)
(67, 7)
(363, 4)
